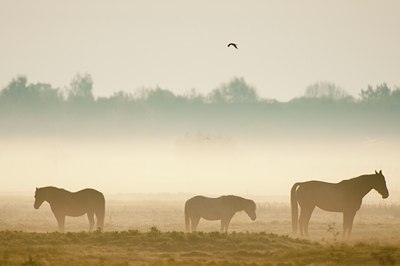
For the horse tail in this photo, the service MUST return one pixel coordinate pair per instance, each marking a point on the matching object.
(100, 213)
(295, 207)
(187, 222)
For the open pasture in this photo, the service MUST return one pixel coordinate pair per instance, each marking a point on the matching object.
(148, 230)
(177, 248)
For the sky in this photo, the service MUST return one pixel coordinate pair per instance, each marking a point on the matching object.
(284, 46)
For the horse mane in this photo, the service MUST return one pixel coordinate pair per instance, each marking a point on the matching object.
(233, 198)
(53, 189)
(237, 200)
(355, 179)
(49, 187)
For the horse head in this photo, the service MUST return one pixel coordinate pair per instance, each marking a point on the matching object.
(250, 209)
(39, 198)
(380, 184)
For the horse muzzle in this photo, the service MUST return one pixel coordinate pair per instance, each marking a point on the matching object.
(385, 196)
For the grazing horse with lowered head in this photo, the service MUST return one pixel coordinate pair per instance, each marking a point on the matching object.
(345, 196)
(64, 203)
(222, 208)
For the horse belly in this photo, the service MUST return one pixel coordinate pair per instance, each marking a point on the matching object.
(211, 213)
(331, 207)
(211, 216)
(76, 214)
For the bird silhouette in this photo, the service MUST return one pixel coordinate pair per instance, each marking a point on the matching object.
(233, 44)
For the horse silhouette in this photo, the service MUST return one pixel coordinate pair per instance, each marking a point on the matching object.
(65, 203)
(345, 196)
(222, 208)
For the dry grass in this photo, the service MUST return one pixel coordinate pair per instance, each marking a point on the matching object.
(177, 248)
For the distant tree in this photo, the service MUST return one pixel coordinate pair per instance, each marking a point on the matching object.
(16, 90)
(382, 91)
(117, 98)
(326, 90)
(236, 91)
(19, 92)
(81, 88)
(121, 97)
(194, 97)
(158, 96)
(396, 93)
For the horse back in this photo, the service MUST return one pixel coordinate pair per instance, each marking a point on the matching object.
(327, 196)
(208, 208)
(83, 201)
(89, 195)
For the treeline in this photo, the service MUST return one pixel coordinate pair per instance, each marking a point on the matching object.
(234, 104)
(80, 92)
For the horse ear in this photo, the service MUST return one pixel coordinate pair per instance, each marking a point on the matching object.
(380, 172)
(36, 189)
(376, 172)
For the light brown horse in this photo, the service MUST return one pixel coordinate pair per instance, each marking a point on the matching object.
(345, 196)
(222, 208)
(64, 203)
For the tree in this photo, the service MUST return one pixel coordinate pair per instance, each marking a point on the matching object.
(21, 93)
(194, 97)
(81, 88)
(326, 90)
(236, 91)
(158, 96)
(396, 93)
(121, 97)
(381, 91)
(16, 90)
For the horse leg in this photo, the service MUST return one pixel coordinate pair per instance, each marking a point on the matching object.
(90, 215)
(301, 226)
(194, 222)
(100, 219)
(225, 225)
(344, 225)
(305, 215)
(61, 222)
(348, 218)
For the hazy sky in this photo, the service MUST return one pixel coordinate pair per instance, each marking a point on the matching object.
(283, 45)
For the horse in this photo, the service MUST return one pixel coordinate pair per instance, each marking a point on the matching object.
(345, 196)
(222, 208)
(65, 203)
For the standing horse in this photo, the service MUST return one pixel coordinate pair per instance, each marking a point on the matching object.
(64, 203)
(345, 196)
(222, 208)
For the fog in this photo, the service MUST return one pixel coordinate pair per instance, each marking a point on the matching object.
(230, 141)
(190, 163)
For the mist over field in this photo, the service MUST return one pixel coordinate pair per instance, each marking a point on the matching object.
(229, 141)
(184, 132)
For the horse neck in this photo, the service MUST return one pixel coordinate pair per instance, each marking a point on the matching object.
(363, 185)
(53, 195)
(240, 204)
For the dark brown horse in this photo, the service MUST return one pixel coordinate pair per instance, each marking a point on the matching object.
(222, 208)
(345, 196)
(64, 203)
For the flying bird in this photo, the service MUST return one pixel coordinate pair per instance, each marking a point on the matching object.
(233, 44)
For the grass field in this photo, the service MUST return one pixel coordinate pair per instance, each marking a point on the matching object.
(149, 232)
(177, 248)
